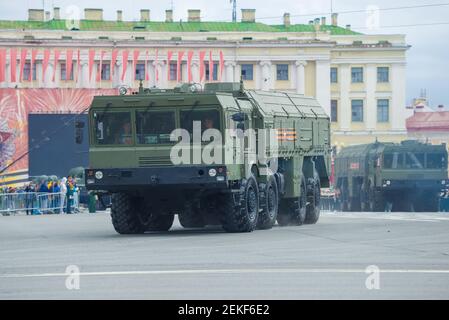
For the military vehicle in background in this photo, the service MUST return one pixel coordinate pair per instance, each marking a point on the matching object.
(409, 176)
(131, 148)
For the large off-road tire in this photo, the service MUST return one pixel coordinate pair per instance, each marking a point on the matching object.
(269, 203)
(131, 215)
(293, 211)
(241, 214)
(191, 217)
(314, 200)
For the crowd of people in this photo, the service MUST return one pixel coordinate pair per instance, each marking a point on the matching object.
(42, 197)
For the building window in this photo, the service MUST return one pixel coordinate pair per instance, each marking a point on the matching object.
(334, 75)
(357, 75)
(64, 72)
(140, 71)
(383, 110)
(173, 72)
(357, 110)
(247, 72)
(383, 74)
(27, 71)
(215, 75)
(334, 110)
(282, 72)
(106, 71)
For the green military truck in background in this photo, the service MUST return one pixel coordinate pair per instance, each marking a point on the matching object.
(131, 144)
(409, 176)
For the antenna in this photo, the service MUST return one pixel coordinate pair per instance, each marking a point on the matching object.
(234, 10)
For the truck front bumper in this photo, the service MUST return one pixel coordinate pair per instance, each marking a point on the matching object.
(191, 177)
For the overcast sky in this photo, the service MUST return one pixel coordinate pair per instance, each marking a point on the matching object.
(428, 59)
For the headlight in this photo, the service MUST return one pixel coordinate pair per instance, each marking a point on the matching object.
(99, 175)
(212, 172)
(388, 182)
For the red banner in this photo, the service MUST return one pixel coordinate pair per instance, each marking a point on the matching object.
(179, 66)
(169, 57)
(136, 54)
(189, 65)
(147, 74)
(125, 55)
(55, 65)
(211, 66)
(23, 57)
(202, 69)
(91, 62)
(13, 62)
(45, 62)
(68, 63)
(114, 56)
(2, 65)
(221, 65)
(100, 66)
(33, 61)
(78, 67)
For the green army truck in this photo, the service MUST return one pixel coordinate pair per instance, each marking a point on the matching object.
(135, 141)
(386, 176)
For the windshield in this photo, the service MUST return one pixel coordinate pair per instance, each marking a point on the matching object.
(155, 127)
(411, 160)
(113, 128)
(436, 161)
(209, 119)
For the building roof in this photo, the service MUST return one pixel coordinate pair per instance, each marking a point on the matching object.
(155, 26)
(428, 121)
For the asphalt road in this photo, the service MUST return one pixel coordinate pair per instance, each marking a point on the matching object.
(323, 261)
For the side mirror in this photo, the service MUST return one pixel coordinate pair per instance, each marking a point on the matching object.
(239, 117)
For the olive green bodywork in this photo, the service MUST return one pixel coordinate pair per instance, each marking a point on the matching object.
(142, 168)
(409, 176)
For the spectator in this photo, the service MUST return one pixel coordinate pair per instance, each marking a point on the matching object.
(56, 190)
(29, 189)
(63, 188)
(43, 197)
(71, 186)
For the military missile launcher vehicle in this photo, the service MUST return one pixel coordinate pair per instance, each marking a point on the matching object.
(409, 176)
(152, 151)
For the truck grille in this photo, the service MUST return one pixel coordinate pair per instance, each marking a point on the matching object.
(154, 161)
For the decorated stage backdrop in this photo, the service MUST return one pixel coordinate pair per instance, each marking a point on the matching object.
(16, 104)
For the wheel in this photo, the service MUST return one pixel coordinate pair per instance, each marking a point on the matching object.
(293, 211)
(191, 217)
(313, 205)
(269, 203)
(239, 212)
(131, 215)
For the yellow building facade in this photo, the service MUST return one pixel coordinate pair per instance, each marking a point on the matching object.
(360, 80)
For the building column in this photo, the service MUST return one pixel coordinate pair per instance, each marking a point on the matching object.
(345, 102)
(195, 67)
(323, 84)
(229, 71)
(301, 77)
(371, 105)
(237, 72)
(398, 101)
(266, 75)
(159, 68)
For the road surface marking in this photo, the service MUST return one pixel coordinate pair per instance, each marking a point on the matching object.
(220, 271)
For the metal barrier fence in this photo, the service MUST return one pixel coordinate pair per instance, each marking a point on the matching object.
(36, 203)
